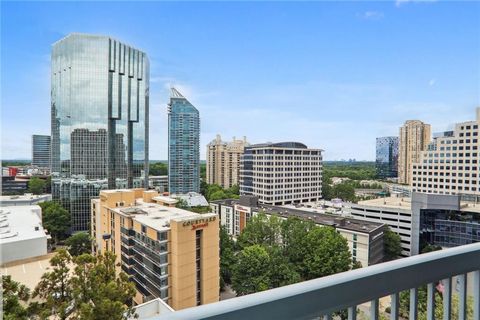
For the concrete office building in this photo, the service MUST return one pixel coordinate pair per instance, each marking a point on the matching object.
(365, 239)
(441, 220)
(386, 160)
(169, 253)
(159, 183)
(451, 165)
(414, 138)
(223, 161)
(41, 151)
(21, 233)
(281, 173)
(99, 138)
(183, 145)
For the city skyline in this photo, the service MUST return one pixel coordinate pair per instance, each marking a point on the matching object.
(363, 67)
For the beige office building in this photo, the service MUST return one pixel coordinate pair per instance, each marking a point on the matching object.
(169, 253)
(414, 138)
(451, 163)
(223, 161)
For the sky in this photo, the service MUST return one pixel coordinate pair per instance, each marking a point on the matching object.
(333, 75)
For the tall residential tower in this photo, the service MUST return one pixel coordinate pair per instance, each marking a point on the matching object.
(183, 145)
(100, 98)
(414, 138)
(223, 161)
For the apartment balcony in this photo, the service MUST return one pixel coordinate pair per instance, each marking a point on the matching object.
(320, 298)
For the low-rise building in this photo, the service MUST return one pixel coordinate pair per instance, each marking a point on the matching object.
(365, 239)
(159, 183)
(21, 233)
(424, 219)
(169, 253)
(26, 199)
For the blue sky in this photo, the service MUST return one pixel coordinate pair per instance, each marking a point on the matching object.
(334, 75)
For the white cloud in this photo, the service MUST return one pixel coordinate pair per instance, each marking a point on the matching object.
(371, 15)
(399, 3)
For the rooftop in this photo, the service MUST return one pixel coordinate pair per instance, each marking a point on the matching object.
(25, 198)
(19, 223)
(157, 216)
(307, 214)
(390, 202)
(287, 144)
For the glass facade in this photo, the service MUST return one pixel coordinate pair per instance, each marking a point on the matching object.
(386, 161)
(100, 100)
(183, 145)
(41, 151)
(448, 228)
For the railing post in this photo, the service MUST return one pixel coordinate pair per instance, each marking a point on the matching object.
(413, 304)
(394, 306)
(462, 299)
(476, 294)
(430, 301)
(352, 313)
(447, 298)
(374, 309)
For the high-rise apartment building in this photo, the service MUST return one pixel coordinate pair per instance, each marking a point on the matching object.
(223, 161)
(169, 253)
(451, 163)
(414, 138)
(41, 151)
(100, 99)
(281, 173)
(183, 145)
(386, 161)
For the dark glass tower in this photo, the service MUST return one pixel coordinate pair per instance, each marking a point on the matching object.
(41, 151)
(100, 98)
(387, 157)
(183, 145)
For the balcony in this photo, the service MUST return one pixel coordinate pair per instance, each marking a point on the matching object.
(321, 297)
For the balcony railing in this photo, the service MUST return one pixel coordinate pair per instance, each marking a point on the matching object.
(322, 297)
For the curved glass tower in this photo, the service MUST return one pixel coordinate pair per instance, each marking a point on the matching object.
(100, 98)
(183, 145)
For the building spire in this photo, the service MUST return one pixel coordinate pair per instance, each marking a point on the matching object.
(174, 93)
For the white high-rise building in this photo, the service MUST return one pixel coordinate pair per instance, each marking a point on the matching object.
(281, 173)
(451, 163)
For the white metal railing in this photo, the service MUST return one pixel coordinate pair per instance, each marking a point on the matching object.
(322, 297)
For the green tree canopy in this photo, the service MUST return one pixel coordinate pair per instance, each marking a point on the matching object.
(261, 230)
(227, 256)
(55, 219)
(158, 169)
(251, 273)
(12, 295)
(79, 243)
(326, 253)
(392, 244)
(36, 185)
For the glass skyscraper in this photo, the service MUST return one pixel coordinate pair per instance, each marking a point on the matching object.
(183, 145)
(41, 151)
(386, 161)
(100, 99)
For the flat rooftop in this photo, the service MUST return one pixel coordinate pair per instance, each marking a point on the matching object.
(157, 216)
(390, 202)
(19, 223)
(334, 220)
(27, 197)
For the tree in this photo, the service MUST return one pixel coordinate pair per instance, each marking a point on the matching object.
(13, 293)
(251, 273)
(227, 256)
(430, 248)
(294, 234)
(79, 243)
(261, 230)
(55, 219)
(218, 195)
(55, 287)
(158, 169)
(392, 244)
(282, 272)
(93, 291)
(36, 185)
(326, 253)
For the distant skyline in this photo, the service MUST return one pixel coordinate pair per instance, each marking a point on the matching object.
(333, 75)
